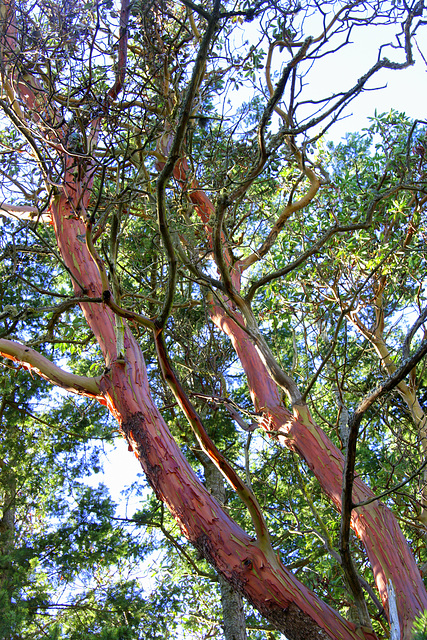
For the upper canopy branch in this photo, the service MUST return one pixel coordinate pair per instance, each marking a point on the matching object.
(359, 86)
(175, 152)
(271, 107)
(123, 45)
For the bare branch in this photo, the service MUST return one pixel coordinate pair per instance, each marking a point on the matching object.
(24, 212)
(34, 361)
(412, 331)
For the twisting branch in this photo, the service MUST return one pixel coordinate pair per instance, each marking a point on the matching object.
(291, 207)
(244, 493)
(175, 154)
(275, 97)
(148, 323)
(288, 210)
(315, 248)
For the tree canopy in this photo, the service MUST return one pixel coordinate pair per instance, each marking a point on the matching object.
(187, 262)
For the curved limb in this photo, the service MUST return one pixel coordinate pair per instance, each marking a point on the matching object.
(34, 361)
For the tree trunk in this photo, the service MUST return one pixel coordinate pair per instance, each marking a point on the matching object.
(233, 615)
(7, 537)
(252, 570)
(387, 549)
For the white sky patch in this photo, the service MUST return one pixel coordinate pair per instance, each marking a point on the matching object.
(120, 470)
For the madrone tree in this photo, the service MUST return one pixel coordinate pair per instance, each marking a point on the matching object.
(169, 158)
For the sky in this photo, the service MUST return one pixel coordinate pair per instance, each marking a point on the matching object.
(403, 90)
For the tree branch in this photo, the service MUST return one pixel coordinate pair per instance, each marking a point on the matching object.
(122, 61)
(34, 361)
(23, 212)
(175, 154)
(275, 97)
(209, 448)
(350, 458)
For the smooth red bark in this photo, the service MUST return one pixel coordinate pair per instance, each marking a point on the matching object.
(375, 524)
(273, 590)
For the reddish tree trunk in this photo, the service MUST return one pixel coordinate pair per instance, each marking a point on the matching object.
(256, 573)
(376, 526)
